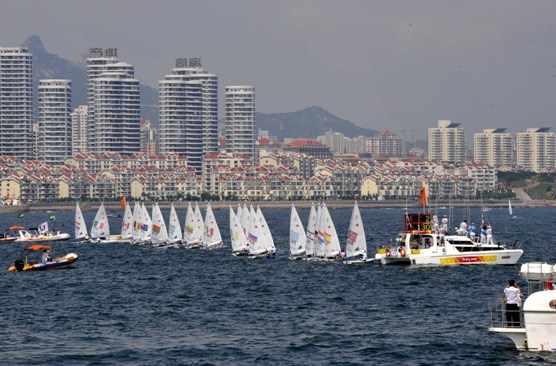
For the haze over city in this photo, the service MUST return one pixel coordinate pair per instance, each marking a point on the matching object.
(401, 65)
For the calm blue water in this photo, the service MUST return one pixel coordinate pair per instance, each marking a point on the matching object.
(134, 305)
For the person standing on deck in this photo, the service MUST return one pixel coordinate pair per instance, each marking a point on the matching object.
(435, 224)
(484, 234)
(444, 228)
(489, 237)
(472, 232)
(463, 228)
(512, 297)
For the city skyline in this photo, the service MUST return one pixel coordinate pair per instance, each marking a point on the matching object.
(399, 64)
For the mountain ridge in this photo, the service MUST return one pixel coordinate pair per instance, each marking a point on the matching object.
(306, 123)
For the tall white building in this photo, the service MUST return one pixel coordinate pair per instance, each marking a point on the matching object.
(16, 102)
(536, 150)
(447, 142)
(188, 112)
(54, 145)
(493, 147)
(79, 127)
(113, 101)
(240, 119)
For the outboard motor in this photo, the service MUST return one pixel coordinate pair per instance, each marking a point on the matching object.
(19, 264)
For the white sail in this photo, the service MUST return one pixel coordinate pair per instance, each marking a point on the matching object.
(136, 230)
(211, 233)
(239, 210)
(319, 241)
(298, 238)
(80, 227)
(174, 227)
(256, 236)
(511, 212)
(190, 233)
(245, 222)
(199, 223)
(311, 232)
(269, 242)
(356, 243)
(127, 224)
(159, 233)
(238, 239)
(146, 224)
(331, 242)
(100, 228)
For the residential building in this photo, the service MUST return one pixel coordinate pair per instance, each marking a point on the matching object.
(240, 119)
(16, 102)
(79, 125)
(536, 150)
(447, 142)
(188, 112)
(308, 147)
(493, 147)
(113, 104)
(386, 144)
(54, 145)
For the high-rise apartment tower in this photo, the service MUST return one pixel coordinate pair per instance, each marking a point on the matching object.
(240, 119)
(54, 140)
(16, 102)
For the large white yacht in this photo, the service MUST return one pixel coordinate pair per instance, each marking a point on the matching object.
(417, 244)
(537, 315)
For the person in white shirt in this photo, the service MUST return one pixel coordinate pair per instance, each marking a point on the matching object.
(45, 255)
(489, 238)
(444, 228)
(463, 228)
(512, 297)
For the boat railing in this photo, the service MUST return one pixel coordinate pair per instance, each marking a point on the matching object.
(510, 244)
(499, 316)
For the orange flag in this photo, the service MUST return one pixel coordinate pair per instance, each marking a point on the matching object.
(123, 202)
(423, 196)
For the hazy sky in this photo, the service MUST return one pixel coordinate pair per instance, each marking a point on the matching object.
(400, 65)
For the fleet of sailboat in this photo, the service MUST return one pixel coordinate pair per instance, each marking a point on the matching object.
(250, 234)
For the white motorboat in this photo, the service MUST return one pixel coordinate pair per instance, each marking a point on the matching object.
(419, 245)
(535, 331)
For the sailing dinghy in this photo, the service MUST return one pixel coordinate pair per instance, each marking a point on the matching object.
(193, 227)
(356, 246)
(174, 228)
(237, 236)
(159, 233)
(298, 238)
(80, 227)
(211, 235)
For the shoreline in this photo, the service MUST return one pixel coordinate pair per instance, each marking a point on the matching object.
(219, 205)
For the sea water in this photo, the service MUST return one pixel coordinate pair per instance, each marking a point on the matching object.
(139, 305)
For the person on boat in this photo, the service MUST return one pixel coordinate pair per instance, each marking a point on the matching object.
(435, 224)
(472, 232)
(364, 256)
(463, 228)
(444, 228)
(489, 238)
(512, 297)
(45, 256)
(484, 234)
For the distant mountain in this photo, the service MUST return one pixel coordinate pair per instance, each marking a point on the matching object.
(308, 123)
(50, 66)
